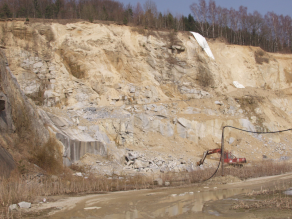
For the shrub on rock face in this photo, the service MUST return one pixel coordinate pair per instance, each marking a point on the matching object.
(260, 58)
(48, 157)
(205, 77)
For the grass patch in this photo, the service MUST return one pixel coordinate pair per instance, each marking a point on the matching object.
(16, 189)
(265, 168)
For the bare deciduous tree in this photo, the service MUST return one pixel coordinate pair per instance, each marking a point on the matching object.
(138, 13)
(213, 15)
(200, 12)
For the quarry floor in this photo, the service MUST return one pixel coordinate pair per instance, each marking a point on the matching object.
(204, 200)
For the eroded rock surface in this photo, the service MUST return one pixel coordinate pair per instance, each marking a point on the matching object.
(108, 90)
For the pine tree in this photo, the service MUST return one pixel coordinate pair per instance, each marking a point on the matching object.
(5, 11)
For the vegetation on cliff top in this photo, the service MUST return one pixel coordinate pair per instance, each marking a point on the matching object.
(271, 32)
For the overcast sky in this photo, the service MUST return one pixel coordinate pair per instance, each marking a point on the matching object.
(183, 6)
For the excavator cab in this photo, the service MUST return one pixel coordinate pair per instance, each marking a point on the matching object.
(229, 156)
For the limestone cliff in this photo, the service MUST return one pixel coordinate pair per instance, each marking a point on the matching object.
(20, 123)
(129, 89)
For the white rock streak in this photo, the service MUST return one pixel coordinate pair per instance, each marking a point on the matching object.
(238, 85)
(203, 43)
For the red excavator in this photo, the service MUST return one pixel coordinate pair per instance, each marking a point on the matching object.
(229, 158)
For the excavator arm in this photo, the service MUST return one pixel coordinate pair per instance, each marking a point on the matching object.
(213, 151)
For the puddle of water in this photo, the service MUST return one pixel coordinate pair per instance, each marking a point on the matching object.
(92, 208)
(211, 212)
(165, 205)
(183, 203)
(288, 192)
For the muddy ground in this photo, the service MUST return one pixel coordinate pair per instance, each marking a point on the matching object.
(208, 200)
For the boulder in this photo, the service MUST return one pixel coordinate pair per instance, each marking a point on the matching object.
(132, 156)
(140, 164)
(38, 65)
(158, 181)
(167, 130)
(231, 140)
(159, 163)
(12, 207)
(148, 94)
(78, 174)
(181, 130)
(184, 122)
(82, 128)
(218, 103)
(24, 205)
(288, 192)
(177, 47)
(132, 89)
(247, 125)
(130, 162)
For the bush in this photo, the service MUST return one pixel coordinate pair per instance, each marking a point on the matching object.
(90, 19)
(48, 157)
(205, 77)
(125, 21)
(259, 57)
(139, 30)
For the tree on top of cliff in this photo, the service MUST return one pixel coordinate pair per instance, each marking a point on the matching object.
(5, 11)
(272, 32)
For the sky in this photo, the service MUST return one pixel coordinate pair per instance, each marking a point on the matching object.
(183, 6)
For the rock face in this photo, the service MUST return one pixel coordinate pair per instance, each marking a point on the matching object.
(7, 163)
(18, 115)
(19, 118)
(75, 149)
(104, 89)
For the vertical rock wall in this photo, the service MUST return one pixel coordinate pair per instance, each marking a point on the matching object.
(74, 149)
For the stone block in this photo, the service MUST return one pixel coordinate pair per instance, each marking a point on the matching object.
(184, 122)
(12, 207)
(140, 164)
(24, 205)
(231, 140)
(132, 89)
(38, 65)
